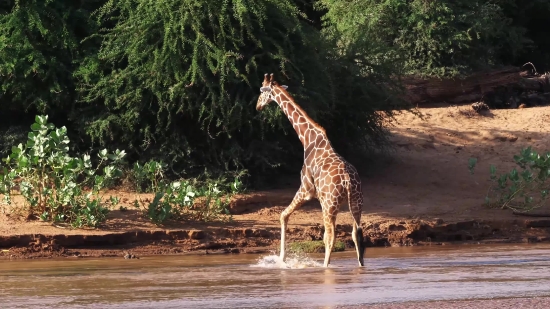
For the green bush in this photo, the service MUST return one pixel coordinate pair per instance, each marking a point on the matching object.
(523, 190)
(39, 50)
(56, 186)
(149, 176)
(10, 136)
(430, 38)
(533, 16)
(177, 81)
(183, 200)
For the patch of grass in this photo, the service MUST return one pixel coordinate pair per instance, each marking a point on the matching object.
(315, 246)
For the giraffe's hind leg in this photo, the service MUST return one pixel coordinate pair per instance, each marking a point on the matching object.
(357, 234)
(330, 231)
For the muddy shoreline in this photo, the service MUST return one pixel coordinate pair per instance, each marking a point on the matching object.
(386, 233)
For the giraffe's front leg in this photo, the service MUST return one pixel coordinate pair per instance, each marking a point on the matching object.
(299, 199)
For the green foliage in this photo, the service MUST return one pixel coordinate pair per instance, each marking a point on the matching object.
(430, 38)
(533, 16)
(184, 200)
(39, 43)
(177, 81)
(53, 182)
(179, 88)
(148, 177)
(314, 246)
(472, 164)
(9, 137)
(523, 190)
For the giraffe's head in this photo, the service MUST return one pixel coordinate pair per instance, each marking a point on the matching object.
(267, 92)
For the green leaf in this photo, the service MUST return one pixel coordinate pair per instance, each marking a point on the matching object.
(16, 150)
(102, 154)
(527, 176)
(514, 175)
(471, 164)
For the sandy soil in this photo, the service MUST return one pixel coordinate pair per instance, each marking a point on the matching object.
(425, 188)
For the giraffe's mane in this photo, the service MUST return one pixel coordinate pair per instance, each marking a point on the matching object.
(299, 108)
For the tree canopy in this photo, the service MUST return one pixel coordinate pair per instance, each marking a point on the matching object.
(177, 80)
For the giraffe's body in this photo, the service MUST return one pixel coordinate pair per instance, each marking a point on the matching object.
(325, 174)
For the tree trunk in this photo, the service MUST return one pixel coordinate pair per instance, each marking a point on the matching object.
(536, 83)
(472, 88)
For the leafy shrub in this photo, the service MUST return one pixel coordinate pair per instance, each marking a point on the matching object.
(523, 190)
(430, 38)
(183, 200)
(148, 177)
(39, 47)
(533, 16)
(56, 186)
(12, 135)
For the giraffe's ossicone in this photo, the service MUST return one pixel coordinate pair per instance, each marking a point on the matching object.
(325, 174)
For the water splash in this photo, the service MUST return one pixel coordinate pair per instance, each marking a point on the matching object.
(293, 261)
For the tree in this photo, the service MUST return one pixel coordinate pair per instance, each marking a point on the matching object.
(39, 49)
(178, 80)
(430, 38)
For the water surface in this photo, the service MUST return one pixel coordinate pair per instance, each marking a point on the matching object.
(261, 281)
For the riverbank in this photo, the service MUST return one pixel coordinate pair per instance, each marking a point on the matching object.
(263, 240)
(424, 195)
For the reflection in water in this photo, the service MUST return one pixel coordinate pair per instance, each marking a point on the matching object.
(329, 276)
(251, 281)
(329, 287)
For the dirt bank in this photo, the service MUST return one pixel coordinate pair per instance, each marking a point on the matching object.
(425, 195)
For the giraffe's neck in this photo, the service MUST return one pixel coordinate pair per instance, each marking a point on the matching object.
(309, 132)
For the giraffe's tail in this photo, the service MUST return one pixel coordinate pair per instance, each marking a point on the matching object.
(360, 245)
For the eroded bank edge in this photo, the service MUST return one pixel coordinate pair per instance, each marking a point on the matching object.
(241, 240)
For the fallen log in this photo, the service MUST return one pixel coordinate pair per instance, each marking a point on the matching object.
(457, 90)
(538, 215)
(535, 99)
(513, 101)
(536, 83)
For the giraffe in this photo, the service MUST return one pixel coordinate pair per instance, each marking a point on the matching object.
(325, 175)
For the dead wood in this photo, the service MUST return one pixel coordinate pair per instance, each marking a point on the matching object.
(507, 87)
(456, 90)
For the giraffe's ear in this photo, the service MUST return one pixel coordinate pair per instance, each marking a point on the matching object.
(265, 89)
(284, 86)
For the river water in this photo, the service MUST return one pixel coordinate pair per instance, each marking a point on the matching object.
(392, 276)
